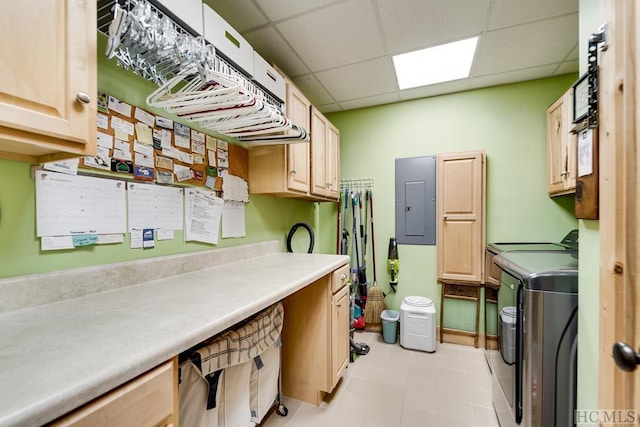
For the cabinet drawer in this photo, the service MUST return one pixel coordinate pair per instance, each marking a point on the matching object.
(339, 278)
(146, 401)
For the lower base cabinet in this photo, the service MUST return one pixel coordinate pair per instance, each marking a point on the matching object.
(150, 400)
(315, 338)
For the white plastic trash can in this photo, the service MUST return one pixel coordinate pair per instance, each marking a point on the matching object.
(418, 324)
(389, 325)
(508, 334)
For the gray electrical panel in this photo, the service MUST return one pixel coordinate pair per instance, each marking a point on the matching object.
(416, 200)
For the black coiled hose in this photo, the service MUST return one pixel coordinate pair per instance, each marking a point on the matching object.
(293, 231)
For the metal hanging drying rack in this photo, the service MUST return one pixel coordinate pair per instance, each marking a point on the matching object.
(148, 40)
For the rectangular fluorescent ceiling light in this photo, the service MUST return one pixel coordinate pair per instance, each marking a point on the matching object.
(451, 61)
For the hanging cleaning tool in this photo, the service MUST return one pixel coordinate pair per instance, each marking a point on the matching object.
(355, 272)
(362, 275)
(344, 244)
(393, 263)
(375, 296)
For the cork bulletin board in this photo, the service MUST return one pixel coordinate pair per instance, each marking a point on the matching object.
(152, 148)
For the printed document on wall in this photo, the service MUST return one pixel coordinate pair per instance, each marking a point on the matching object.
(155, 206)
(233, 224)
(68, 205)
(203, 211)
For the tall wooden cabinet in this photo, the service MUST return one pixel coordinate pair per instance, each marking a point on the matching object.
(48, 79)
(561, 147)
(302, 170)
(460, 230)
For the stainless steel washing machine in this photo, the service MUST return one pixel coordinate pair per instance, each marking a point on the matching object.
(534, 367)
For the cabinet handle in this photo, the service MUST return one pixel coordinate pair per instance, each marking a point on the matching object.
(293, 171)
(83, 98)
(329, 184)
(343, 276)
(564, 173)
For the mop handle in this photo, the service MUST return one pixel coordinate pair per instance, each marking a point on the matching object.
(373, 239)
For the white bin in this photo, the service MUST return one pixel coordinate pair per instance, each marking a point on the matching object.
(418, 324)
(508, 334)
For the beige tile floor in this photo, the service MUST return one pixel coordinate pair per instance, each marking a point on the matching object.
(395, 387)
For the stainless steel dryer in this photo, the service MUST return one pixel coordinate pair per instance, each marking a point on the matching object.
(534, 375)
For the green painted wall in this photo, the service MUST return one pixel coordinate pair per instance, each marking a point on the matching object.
(508, 122)
(267, 218)
(589, 282)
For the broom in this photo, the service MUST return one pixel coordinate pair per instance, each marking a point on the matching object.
(375, 297)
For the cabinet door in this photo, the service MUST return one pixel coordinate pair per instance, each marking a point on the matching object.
(460, 215)
(319, 145)
(333, 160)
(49, 53)
(561, 147)
(298, 110)
(339, 334)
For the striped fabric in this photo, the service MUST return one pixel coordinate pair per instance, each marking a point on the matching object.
(242, 344)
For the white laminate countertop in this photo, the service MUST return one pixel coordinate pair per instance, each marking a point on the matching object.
(58, 356)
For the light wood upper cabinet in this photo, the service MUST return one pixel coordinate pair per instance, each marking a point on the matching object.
(333, 161)
(284, 169)
(48, 79)
(460, 229)
(298, 110)
(149, 400)
(303, 170)
(325, 156)
(561, 147)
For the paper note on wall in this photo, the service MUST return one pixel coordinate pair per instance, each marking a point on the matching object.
(68, 205)
(154, 206)
(235, 188)
(233, 220)
(203, 211)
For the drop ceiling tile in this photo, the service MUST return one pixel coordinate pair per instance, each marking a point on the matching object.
(240, 14)
(282, 9)
(328, 108)
(433, 90)
(274, 49)
(359, 80)
(370, 101)
(568, 67)
(513, 76)
(409, 25)
(313, 90)
(337, 35)
(524, 46)
(574, 54)
(513, 12)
